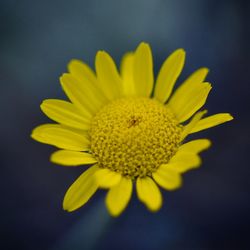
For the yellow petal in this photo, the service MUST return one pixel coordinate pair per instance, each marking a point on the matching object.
(195, 146)
(183, 162)
(191, 82)
(211, 121)
(149, 193)
(187, 104)
(187, 87)
(80, 94)
(65, 113)
(108, 77)
(118, 196)
(143, 70)
(72, 158)
(84, 74)
(168, 75)
(167, 178)
(82, 71)
(56, 135)
(127, 74)
(107, 178)
(81, 190)
(192, 123)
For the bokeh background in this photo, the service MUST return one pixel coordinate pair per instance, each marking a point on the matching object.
(38, 38)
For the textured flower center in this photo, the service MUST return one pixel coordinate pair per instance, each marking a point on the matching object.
(134, 136)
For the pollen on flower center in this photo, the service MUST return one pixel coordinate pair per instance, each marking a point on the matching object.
(134, 136)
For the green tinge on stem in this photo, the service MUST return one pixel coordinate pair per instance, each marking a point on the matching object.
(85, 234)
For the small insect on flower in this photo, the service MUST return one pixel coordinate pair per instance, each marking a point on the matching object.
(126, 129)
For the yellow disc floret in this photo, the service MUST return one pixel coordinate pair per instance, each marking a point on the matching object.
(134, 136)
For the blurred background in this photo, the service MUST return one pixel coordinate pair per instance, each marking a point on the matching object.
(38, 38)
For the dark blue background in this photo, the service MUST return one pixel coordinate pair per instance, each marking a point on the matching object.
(38, 38)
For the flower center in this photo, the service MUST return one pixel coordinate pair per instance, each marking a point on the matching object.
(134, 136)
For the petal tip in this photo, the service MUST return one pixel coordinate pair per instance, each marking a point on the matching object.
(181, 51)
(63, 77)
(43, 104)
(155, 209)
(203, 112)
(64, 205)
(143, 43)
(143, 46)
(72, 63)
(34, 134)
(230, 117)
(101, 53)
(112, 212)
(208, 144)
(67, 208)
(205, 69)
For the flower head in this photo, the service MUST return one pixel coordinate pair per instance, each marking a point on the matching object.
(127, 129)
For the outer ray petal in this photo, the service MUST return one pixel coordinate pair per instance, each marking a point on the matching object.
(143, 70)
(118, 196)
(81, 190)
(108, 77)
(72, 158)
(149, 193)
(186, 105)
(82, 93)
(86, 76)
(107, 178)
(128, 82)
(81, 98)
(57, 135)
(168, 75)
(191, 82)
(211, 121)
(167, 178)
(82, 71)
(192, 123)
(183, 162)
(65, 113)
(195, 146)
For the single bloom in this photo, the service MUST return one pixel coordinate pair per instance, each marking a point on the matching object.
(128, 128)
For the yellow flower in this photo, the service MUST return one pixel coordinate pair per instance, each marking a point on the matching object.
(127, 129)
